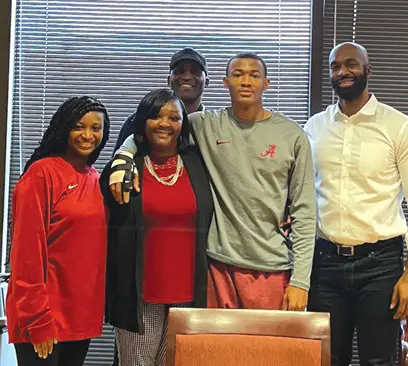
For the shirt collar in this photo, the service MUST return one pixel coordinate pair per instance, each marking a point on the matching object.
(368, 109)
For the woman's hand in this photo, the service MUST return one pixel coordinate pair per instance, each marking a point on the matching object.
(44, 349)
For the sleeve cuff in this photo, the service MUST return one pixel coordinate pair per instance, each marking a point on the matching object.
(123, 152)
(43, 332)
(300, 284)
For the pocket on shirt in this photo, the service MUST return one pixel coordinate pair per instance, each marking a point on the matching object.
(374, 158)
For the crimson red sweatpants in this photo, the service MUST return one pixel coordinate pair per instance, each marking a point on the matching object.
(230, 287)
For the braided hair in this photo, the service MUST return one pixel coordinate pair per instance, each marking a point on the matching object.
(55, 138)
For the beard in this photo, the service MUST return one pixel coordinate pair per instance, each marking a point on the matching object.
(350, 92)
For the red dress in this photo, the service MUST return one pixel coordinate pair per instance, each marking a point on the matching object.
(58, 254)
(170, 237)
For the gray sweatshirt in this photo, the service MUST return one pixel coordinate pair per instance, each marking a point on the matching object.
(255, 169)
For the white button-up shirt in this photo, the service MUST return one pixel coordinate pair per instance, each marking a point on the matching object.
(361, 172)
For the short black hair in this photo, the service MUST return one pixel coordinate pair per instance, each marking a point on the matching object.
(55, 138)
(149, 108)
(246, 55)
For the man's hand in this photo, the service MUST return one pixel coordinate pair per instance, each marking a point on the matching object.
(286, 227)
(124, 174)
(116, 189)
(44, 349)
(295, 299)
(400, 295)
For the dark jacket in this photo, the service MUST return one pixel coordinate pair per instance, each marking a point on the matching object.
(125, 257)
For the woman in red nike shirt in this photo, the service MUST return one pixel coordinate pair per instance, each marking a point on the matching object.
(55, 300)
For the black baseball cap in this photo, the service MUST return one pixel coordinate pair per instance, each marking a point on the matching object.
(189, 53)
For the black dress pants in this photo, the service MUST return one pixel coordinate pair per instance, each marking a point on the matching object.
(357, 292)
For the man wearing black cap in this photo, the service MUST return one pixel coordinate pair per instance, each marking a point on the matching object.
(188, 78)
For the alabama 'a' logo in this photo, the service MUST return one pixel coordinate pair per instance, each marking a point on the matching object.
(269, 153)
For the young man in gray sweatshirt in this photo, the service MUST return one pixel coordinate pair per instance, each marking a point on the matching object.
(260, 164)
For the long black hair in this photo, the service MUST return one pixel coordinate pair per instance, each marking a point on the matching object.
(149, 108)
(55, 138)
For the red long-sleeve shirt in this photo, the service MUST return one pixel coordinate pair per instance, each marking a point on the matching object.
(58, 254)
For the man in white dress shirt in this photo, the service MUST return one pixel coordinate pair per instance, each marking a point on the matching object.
(360, 152)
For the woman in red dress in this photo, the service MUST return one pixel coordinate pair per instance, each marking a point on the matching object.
(157, 242)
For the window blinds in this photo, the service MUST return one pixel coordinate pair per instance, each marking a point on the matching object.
(117, 51)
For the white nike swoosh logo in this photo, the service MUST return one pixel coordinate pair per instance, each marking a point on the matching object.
(72, 186)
